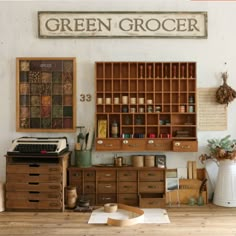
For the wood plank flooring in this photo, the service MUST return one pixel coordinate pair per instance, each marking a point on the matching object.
(185, 221)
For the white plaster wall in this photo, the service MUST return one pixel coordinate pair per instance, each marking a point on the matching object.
(18, 38)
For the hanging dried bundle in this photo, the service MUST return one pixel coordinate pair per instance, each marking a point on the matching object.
(225, 94)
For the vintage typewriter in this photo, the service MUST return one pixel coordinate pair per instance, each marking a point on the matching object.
(38, 146)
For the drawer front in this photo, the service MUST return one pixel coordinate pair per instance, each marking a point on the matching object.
(107, 187)
(152, 203)
(106, 198)
(33, 195)
(106, 175)
(151, 187)
(127, 187)
(185, 146)
(34, 168)
(152, 175)
(159, 145)
(75, 175)
(34, 186)
(89, 187)
(133, 145)
(34, 204)
(128, 199)
(111, 144)
(89, 175)
(33, 177)
(125, 175)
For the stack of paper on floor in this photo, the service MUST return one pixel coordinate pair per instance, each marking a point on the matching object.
(151, 215)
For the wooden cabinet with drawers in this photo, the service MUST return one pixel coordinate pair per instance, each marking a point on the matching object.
(36, 182)
(122, 185)
(152, 104)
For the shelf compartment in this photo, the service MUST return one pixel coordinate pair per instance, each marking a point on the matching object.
(149, 85)
(152, 119)
(133, 70)
(175, 70)
(99, 70)
(116, 70)
(141, 86)
(108, 70)
(158, 85)
(166, 70)
(158, 70)
(175, 98)
(150, 70)
(133, 86)
(175, 85)
(183, 132)
(100, 85)
(116, 86)
(124, 86)
(127, 119)
(165, 132)
(192, 70)
(166, 85)
(183, 119)
(124, 70)
(127, 132)
(152, 132)
(191, 85)
(141, 70)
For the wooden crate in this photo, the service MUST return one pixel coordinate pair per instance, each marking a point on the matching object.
(188, 188)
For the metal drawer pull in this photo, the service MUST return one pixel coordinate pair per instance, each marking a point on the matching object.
(151, 174)
(127, 186)
(54, 204)
(106, 198)
(33, 183)
(133, 145)
(108, 186)
(107, 175)
(33, 200)
(54, 187)
(151, 186)
(53, 169)
(185, 146)
(108, 145)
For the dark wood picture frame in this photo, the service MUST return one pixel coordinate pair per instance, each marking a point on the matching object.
(45, 94)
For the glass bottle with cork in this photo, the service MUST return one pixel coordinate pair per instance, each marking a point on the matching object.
(114, 129)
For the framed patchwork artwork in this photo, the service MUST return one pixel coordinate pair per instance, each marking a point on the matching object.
(46, 94)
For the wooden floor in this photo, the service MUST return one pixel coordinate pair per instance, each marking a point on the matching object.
(206, 220)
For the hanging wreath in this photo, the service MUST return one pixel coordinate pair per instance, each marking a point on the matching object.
(225, 94)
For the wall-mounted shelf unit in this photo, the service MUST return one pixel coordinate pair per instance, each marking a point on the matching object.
(146, 106)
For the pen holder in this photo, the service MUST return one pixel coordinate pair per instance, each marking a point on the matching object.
(83, 158)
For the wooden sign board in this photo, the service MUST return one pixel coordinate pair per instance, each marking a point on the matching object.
(122, 24)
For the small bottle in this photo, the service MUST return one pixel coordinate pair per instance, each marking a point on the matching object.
(114, 129)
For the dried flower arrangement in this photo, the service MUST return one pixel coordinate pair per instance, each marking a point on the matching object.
(221, 149)
(225, 94)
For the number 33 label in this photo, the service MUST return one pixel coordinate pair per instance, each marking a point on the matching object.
(85, 97)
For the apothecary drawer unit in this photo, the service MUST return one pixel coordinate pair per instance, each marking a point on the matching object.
(36, 183)
(122, 185)
(152, 105)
